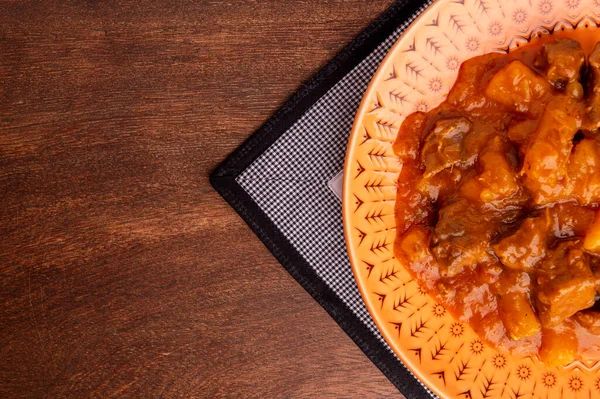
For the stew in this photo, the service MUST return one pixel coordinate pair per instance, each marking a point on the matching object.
(497, 203)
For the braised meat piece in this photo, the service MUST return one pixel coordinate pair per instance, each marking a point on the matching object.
(528, 245)
(565, 284)
(593, 102)
(412, 205)
(444, 146)
(563, 60)
(466, 96)
(461, 237)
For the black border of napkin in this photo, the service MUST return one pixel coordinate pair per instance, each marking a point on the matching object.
(223, 179)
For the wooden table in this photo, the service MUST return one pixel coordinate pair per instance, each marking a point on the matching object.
(122, 273)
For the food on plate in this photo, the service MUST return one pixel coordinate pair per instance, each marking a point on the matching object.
(498, 199)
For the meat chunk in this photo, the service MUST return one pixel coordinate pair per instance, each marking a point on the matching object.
(461, 237)
(565, 284)
(412, 205)
(547, 154)
(472, 303)
(466, 94)
(524, 249)
(443, 146)
(584, 172)
(517, 87)
(408, 141)
(564, 59)
(593, 103)
(498, 176)
(439, 186)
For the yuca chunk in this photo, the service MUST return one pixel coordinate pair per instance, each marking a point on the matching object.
(592, 238)
(584, 172)
(498, 177)
(517, 87)
(514, 305)
(559, 345)
(590, 320)
(545, 165)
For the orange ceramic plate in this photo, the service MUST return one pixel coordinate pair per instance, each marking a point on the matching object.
(443, 353)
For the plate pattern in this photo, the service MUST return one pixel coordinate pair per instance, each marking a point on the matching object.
(416, 75)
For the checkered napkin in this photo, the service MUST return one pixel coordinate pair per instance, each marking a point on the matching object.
(295, 183)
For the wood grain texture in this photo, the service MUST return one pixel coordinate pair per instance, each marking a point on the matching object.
(122, 273)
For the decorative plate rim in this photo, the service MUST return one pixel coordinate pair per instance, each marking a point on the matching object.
(346, 211)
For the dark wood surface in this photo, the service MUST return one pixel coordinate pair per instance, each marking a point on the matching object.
(122, 273)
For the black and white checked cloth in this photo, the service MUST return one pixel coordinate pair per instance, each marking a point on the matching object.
(288, 181)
